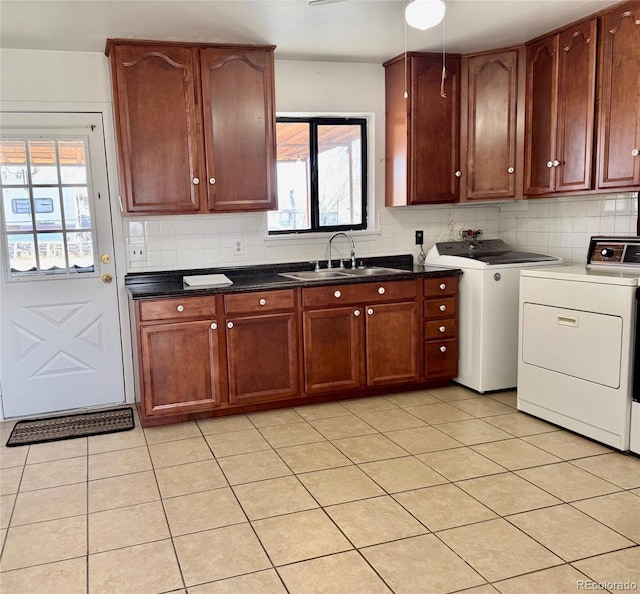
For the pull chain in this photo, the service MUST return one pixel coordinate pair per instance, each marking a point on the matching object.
(443, 92)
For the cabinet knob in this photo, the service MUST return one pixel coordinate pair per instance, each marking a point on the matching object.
(556, 162)
(212, 180)
(229, 325)
(196, 181)
(443, 349)
(549, 164)
(635, 152)
(180, 308)
(262, 302)
(443, 286)
(337, 294)
(214, 326)
(443, 307)
(381, 290)
(511, 170)
(458, 173)
(442, 329)
(370, 311)
(356, 313)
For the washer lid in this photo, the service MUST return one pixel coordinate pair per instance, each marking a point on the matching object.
(492, 252)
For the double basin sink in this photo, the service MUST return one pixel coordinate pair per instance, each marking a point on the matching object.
(337, 273)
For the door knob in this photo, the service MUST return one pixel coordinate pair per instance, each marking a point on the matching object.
(107, 278)
(105, 258)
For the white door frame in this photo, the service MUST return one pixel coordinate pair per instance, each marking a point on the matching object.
(120, 254)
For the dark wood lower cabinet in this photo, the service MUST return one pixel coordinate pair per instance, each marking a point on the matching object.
(333, 349)
(392, 343)
(262, 358)
(202, 356)
(179, 368)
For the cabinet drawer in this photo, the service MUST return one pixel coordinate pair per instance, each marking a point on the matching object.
(444, 285)
(441, 358)
(259, 301)
(439, 329)
(366, 293)
(177, 308)
(440, 308)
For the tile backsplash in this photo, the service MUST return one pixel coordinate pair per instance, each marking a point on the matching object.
(558, 226)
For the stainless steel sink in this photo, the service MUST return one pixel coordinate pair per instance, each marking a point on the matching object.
(316, 275)
(372, 271)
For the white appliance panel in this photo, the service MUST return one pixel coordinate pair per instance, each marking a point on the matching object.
(580, 344)
(634, 443)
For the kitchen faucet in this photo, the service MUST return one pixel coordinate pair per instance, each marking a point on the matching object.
(353, 248)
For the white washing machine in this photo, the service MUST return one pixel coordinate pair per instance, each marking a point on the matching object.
(487, 308)
(578, 328)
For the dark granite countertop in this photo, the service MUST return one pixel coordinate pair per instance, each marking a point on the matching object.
(146, 285)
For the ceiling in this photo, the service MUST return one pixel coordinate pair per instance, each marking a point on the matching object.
(351, 30)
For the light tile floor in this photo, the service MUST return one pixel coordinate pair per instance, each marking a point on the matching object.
(429, 491)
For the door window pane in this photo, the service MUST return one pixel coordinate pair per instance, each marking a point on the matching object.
(44, 162)
(45, 185)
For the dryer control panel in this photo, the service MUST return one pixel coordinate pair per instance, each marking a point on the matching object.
(619, 252)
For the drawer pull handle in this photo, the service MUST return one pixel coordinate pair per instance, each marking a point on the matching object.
(229, 325)
(381, 290)
(635, 152)
(511, 170)
(442, 329)
(443, 286)
(337, 294)
(370, 311)
(443, 307)
(214, 326)
(356, 313)
(180, 308)
(196, 181)
(567, 321)
(262, 302)
(212, 180)
(443, 349)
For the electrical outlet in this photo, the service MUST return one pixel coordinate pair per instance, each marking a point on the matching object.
(137, 252)
(419, 237)
(238, 247)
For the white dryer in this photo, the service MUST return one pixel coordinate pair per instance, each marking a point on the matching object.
(487, 308)
(578, 328)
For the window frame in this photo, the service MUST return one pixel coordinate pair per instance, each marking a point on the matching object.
(314, 122)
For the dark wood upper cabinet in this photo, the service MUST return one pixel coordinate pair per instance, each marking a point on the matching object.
(157, 121)
(492, 125)
(422, 130)
(619, 113)
(560, 111)
(239, 131)
(195, 126)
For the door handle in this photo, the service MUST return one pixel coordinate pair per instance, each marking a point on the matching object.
(107, 278)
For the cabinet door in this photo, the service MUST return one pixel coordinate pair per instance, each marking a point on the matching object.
(576, 107)
(490, 133)
(333, 349)
(619, 134)
(262, 355)
(541, 109)
(434, 130)
(392, 343)
(157, 121)
(179, 367)
(239, 128)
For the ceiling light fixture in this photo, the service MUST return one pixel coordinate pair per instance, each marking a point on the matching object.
(424, 14)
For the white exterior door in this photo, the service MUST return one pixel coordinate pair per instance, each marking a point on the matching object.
(60, 326)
